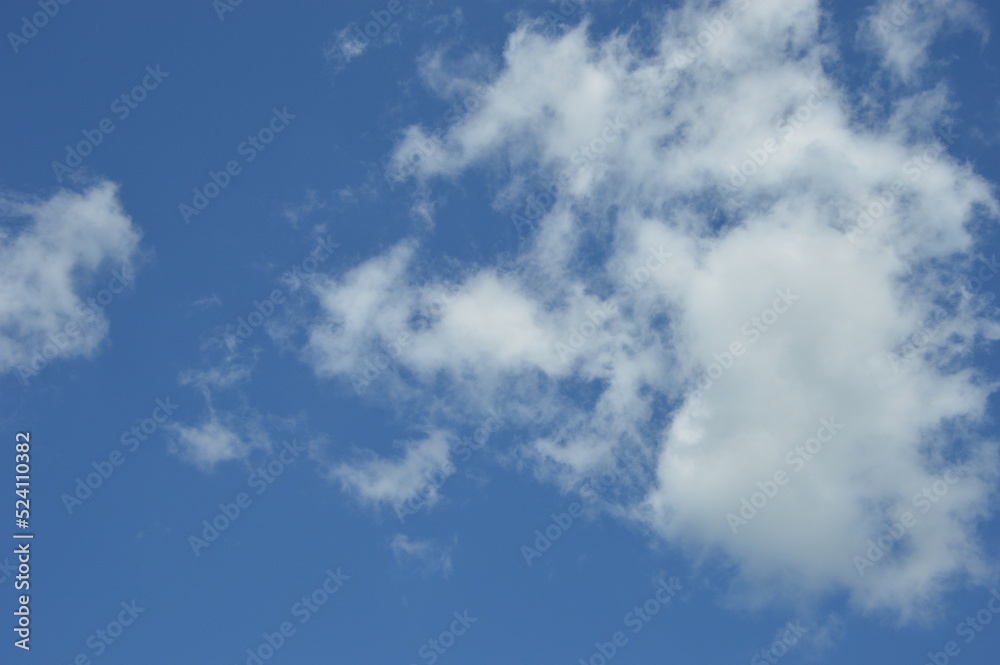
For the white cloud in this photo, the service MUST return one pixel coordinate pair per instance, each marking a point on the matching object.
(426, 555)
(391, 481)
(233, 431)
(54, 253)
(221, 436)
(348, 44)
(208, 302)
(230, 368)
(310, 204)
(902, 32)
(741, 157)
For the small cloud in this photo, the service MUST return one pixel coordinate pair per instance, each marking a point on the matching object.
(446, 22)
(348, 44)
(231, 369)
(208, 303)
(234, 430)
(312, 203)
(220, 437)
(426, 555)
(391, 482)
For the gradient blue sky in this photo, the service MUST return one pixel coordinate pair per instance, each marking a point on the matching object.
(402, 236)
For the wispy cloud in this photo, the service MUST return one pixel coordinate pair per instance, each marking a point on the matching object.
(426, 556)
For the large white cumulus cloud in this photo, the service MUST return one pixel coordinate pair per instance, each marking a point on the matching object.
(730, 263)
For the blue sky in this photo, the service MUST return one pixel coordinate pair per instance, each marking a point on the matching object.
(538, 332)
